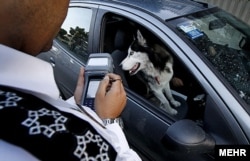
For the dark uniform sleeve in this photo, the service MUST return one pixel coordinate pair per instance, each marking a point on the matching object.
(46, 132)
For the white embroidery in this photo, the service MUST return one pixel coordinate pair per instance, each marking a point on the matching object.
(56, 125)
(35, 127)
(11, 99)
(82, 143)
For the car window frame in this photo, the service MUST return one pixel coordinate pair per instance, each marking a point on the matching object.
(138, 18)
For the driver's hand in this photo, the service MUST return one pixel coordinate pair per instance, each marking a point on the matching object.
(110, 97)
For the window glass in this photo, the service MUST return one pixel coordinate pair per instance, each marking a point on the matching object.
(225, 42)
(74, 32)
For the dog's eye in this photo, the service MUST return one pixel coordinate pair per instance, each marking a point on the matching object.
(131, 53)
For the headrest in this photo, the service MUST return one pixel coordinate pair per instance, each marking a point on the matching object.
(122, 39)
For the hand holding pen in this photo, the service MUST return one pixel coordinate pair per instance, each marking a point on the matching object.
(110, 97)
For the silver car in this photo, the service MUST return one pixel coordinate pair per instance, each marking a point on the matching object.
(211, 51)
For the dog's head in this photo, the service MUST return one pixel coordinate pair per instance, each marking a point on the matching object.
(137, 57)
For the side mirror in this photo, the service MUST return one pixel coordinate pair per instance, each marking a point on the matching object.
(187, 137)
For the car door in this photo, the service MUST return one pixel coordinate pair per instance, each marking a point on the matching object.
(71, 47)
(147, 127)
(145, 123)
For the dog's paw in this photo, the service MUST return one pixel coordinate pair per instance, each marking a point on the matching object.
(169, 109)
(175, 103)
(172, 111)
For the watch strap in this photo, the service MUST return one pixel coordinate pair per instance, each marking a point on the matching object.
(114, 120)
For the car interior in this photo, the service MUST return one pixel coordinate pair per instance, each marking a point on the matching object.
(118, 35)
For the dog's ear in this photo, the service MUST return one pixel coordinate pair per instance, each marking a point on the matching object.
(141, 39)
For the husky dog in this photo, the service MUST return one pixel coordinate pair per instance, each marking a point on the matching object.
(155, 64)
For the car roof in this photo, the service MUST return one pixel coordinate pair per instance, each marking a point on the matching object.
(163, 9)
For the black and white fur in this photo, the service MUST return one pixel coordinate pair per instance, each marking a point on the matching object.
(156, 64)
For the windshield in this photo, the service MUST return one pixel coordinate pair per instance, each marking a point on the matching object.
(224, 41)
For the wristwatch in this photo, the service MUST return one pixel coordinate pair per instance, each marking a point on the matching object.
(111, 121)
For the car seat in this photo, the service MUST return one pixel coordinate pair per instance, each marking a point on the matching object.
(122, 41)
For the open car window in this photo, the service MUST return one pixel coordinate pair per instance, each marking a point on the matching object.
(118, 35)
(225, 43)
